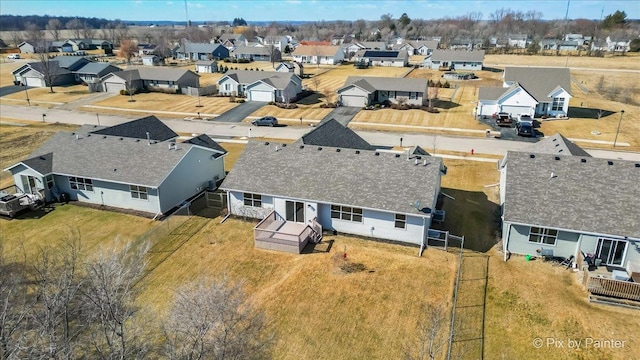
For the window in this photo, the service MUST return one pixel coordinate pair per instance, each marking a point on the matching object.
(346, 213)
(78, 183)
(392, 94)
(413, 96)
(295, 211)
(227, 87)
(543, 235)
(49, 180)
(401, 221)
(138, 192)
(558, 104)
(254, 200)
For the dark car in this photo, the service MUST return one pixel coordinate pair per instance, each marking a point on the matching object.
(503, 118)
(265, 121)
(524, 129)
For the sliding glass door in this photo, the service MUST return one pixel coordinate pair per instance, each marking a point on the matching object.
(611, 251)
(295, 211)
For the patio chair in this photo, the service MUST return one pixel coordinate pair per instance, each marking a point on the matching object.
(568, 262)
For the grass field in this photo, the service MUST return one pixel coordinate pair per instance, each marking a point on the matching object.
(629, 61)
(306, 112)
(61, 94)
(169, 102)
(335, 77)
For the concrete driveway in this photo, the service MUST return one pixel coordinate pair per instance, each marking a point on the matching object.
(509, 132)
(240, 112)
(12, 89)
(344, 114)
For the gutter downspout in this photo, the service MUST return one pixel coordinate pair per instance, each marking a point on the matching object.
(228, 208)
(505, 245)
(424, 236)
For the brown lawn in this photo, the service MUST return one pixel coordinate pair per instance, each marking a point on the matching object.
(61, 94)
(335, 77)
(629, 61)
(292, 116)
(169, 102)
(6, 78)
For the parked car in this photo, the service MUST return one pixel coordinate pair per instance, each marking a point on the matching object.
(265, 121)
(503, 118)
(525, 118)
(525, 128)
(13, 56)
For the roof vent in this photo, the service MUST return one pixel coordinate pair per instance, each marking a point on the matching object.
(424, 162)
(553, 175)
(337, 150)
(137, 140)
(121, 139)
(416, 161)
(284, 145)
(266, 143)
(77, 136)
(115, 169)
(377, 153)
(556, 144)
(319, 148)
(531, 156)
(104, 137)
(88, 135)
(610, 162)
(277, 148)
(73, 133)
(638, 165)
(555, 140)
(418, 157)
(583, 160)
(357, 151)
(557, 158)
(301, 146)
(42, 158)
(397, 155)
(560, 150)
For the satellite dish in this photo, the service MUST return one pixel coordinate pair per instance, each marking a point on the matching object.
(417, 204)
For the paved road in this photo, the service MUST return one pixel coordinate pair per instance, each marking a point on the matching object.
(12, 89)
(240, 112)
(343, 114)
(222, 129)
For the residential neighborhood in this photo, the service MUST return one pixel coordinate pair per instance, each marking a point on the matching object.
(319, 180)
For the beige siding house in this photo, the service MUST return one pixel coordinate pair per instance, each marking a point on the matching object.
(318, 54)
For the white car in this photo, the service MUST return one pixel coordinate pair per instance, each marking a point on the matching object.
(13, 56)
(525, 118)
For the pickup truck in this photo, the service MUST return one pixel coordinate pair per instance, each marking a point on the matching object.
(503, 118)
(525, 118)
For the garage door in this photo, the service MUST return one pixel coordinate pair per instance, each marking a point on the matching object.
(256, 95)
(351, 100)
(114, 87)
(36, 82)
(517, 110)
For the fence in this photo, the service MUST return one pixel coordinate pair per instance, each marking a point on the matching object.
(614, 288)
(202, 91)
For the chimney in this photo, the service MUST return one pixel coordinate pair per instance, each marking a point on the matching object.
(77, 136)
(424, 163)
(148, 139)
(416, 162)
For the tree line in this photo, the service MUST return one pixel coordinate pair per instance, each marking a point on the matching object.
(70, 303)
(19, 22)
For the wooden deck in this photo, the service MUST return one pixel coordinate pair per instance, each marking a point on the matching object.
(613, 288)
(275, 233)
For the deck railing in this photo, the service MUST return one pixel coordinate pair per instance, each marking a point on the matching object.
(614, 288)
(268, 230)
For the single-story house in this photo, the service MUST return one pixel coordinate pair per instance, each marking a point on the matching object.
(318, 54)
(289, 66)
(202, 51)
(528, 90)
(206, 66)
(156, 78)
(280, 42)
(352, 48)
(518, 41)
(261, 85)
(257, 53)
(382, 58)
(151, 60)
(618, 44)
(73, 45)
(61, 70)
(137, 165)
(363, 90)
(455, 60)
(232, 40)
(94, 71)
(358, 192)
(26, 48)
(569, 205)
(146, 49)
(417, 47)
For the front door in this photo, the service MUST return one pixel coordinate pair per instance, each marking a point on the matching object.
(29, 184)
(611, 251)
(295, 211)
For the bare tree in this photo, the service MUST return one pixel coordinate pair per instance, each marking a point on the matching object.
(75, 25)
(49, 69)
(16, 37)
(34, 33)
(14, 307)
(328, 95)
(109, 297)
(432, 335)
(54, 26)
(87, 31)
(432, 93)
(54, 317)
(130, 86)
(214, 320)
(128, 49)
(316, 82)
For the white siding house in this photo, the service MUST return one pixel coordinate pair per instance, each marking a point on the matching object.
(318, 54)
(263, 86)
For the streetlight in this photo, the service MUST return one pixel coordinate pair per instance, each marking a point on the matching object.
(98, 117)
(43, 116)
(618, 131)
(27, 93)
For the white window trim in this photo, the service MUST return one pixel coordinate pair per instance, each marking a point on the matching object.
(557, 100)
(139, 190)
(253, 198)
(341, 211)
(80, 181)
(395, 219)
(543, 235)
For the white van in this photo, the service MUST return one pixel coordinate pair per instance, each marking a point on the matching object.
(13, 56)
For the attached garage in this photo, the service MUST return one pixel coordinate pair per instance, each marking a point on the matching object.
(353, 100)
(261, 95)
(517, 110)
(113, 87)
(35, 82)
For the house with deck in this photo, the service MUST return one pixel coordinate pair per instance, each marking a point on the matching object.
(318, 54)
(297, 191)
(263, 86)
(535, 91)
(201, 51)
(252, 53)
(367, 90)
(138, 165)
(574, 206)
(382, 58)
(455, 60)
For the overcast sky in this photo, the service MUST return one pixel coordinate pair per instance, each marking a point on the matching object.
(311, 10)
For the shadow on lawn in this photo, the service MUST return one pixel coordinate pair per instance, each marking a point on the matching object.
(471, 215)
(444, 104)
(313, 98)
(587, 113)
(323, 246)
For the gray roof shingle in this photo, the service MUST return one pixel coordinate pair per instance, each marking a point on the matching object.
(371, 84)
(277, 79)
(557, 144)
(138, 129)
(458, 55)
(358, 178)
(574, 193)
(539, 81)
(206, 141)
(334, 134)
(153, 73)
(98, 68)
(42, 163)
